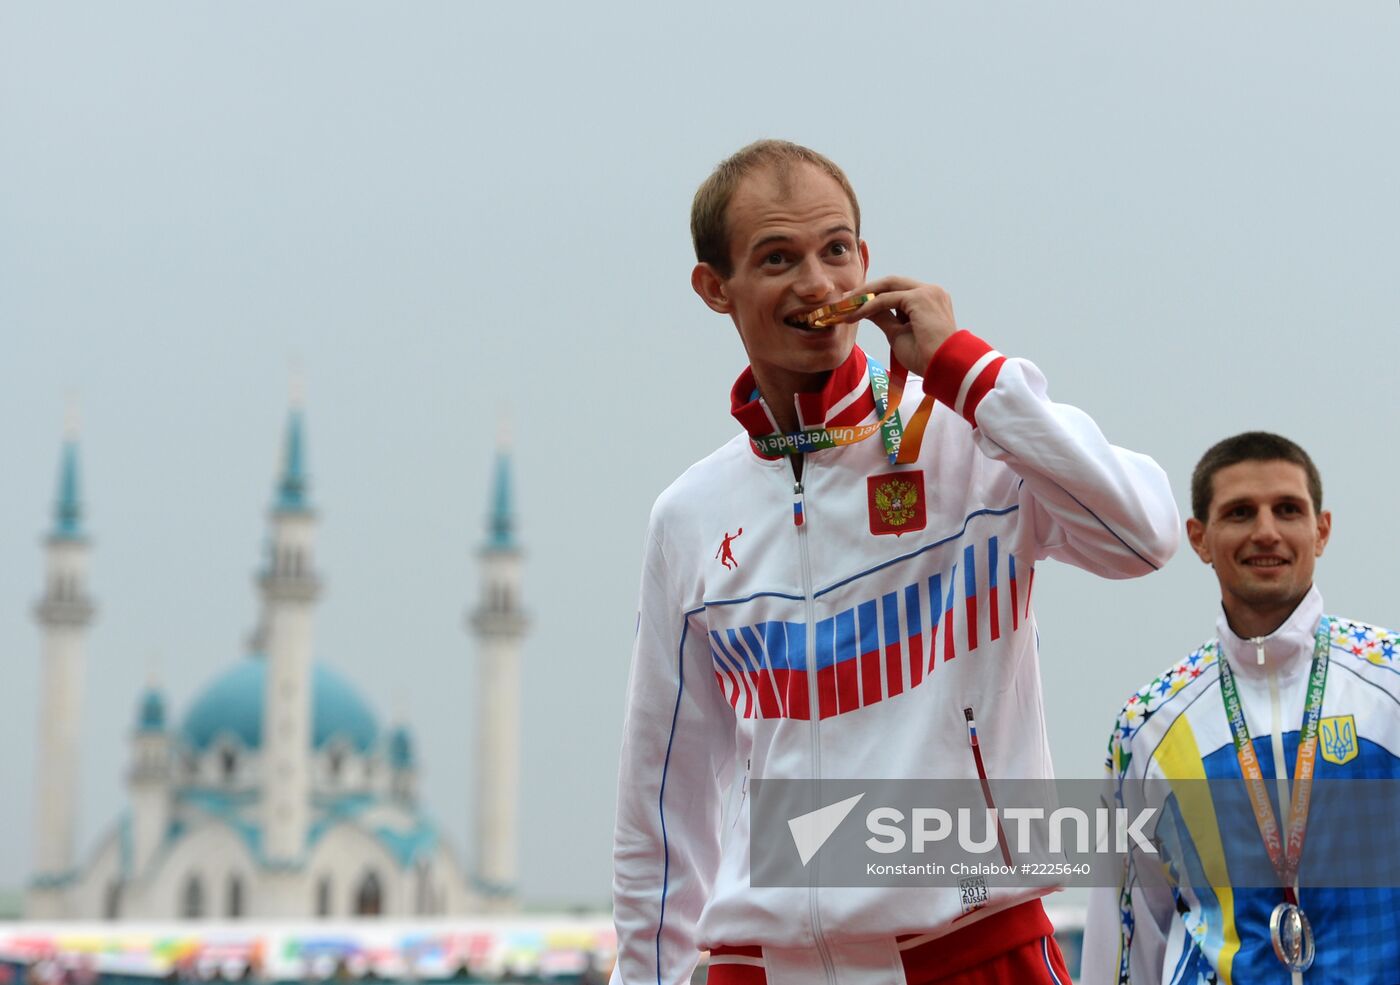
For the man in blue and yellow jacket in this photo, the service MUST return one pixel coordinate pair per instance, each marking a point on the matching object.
(1283, 683)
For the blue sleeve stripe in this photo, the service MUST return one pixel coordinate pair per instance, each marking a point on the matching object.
(661, 795)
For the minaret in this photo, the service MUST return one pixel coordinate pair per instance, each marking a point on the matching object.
(64, 613)
(500, 627)
(289, 585)
(148, 783)
(403, 767)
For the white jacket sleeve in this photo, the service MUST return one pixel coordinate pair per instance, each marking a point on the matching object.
(1127, 924)
(677, 753)
(1083, 501)
(1125, 936)
(1101, 950)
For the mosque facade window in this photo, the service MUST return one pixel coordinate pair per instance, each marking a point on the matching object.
(192, 898)
(112, 901)
(423, 890)
(369, 896)
(235, 897)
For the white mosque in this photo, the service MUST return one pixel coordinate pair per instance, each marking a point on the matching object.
(279, 794)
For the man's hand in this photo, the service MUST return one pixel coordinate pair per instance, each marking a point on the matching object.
(917, 318)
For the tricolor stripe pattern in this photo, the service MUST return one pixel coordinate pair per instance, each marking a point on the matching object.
(875, 649)
(1049, 963)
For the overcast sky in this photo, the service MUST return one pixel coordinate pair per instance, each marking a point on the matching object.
(1186, 214)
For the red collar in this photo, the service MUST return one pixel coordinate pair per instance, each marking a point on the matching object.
(844, 400)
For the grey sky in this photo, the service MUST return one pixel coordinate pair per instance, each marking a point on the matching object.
(1186, 214)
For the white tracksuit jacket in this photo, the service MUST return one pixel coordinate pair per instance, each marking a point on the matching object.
(912, 607)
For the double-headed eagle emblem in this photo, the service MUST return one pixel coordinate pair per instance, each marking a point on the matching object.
(896, 500)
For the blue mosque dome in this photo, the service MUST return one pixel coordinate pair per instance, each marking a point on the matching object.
(233, 705)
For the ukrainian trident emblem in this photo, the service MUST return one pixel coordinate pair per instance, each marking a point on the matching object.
(1339, 739)
(897, 503)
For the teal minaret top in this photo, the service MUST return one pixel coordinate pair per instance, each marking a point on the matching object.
(151, 715)
(501, 528)
(292, 487)
(401, 748)
(68, 510)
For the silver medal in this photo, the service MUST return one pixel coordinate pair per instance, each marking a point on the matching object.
(1292, 936)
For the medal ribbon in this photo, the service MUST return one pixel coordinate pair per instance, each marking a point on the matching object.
(1284, 852)
(887, 389)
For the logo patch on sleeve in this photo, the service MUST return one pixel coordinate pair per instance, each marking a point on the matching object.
(897, 502)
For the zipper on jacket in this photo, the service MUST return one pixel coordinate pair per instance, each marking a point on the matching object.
(799, 517)
(986, 784)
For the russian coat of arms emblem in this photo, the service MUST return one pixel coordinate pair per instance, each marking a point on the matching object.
(897, 503)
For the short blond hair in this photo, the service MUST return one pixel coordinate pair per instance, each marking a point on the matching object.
(709, 225)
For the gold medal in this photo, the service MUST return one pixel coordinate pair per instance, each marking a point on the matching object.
(830, 314)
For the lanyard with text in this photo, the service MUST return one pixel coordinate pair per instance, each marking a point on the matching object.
(1285, 853)
(887, 389)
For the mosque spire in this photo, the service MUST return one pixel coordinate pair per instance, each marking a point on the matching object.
(68, 507)
(149, 779)
(64, 612)
(501, 524)
(285, 635)
(499, 624)
(150, 715)
(292, 486)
